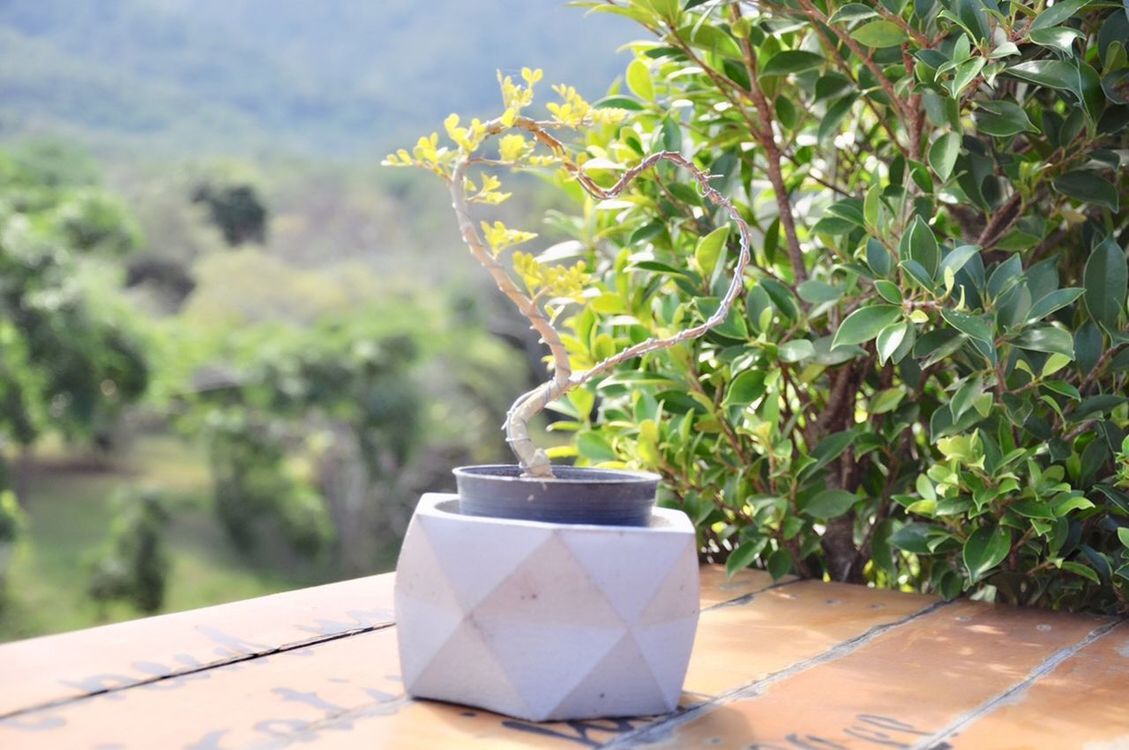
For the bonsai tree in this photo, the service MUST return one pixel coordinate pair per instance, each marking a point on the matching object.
(540, 288)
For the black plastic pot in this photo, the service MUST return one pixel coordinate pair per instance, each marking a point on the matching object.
(607, 497)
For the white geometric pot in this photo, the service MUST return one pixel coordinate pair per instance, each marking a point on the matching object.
(546, 621)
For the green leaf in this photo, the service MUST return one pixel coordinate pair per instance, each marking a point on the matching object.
(1123, 536)
(1055, 74)
(878, 258)
(919, 244)
(912, 538)
(1060, 38)
(865, 323)
(1097, 404)
(779, 563)
(1106, 278)
(672, 141)
(943, 154)
(1081, 570)
(1054, 363)
(733, 326)
(965, 73)
(917, 272)
(708, 250)
(791, 61)
(1054, 301)
(955, 260)
(1057, 13)
(618, 102)
(887, 400)
(745, 388)
(1088, 345)
(829, 126)
(796, 350)
(1002, 119)
(1062, 388)
(852, 12)
(889, 339)
(816, 292)
(743, 556)
(830, 448)
(1116, 86)
(639, 80)
(595, 447)
(1088, 188)
(1047, 339)
(879, 34)
(830, 504)
(985, 549)
(970, 325)
(889, 291)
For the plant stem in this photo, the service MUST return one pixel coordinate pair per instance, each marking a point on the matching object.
(533, 461)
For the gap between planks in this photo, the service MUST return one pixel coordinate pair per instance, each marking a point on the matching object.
(46, 705)
(242, 658)
(1047, 666)
(751, 690)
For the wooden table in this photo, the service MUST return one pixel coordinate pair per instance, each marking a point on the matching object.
(801, 665)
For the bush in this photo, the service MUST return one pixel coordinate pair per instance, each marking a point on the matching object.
(925, 384)
(134, 565)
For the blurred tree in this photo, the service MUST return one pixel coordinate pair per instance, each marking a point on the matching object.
(324, 436)
(134, 565)
(236, 210)
(70, 363)
(12, 521)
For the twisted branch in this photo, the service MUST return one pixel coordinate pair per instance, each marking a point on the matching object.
(534, 461)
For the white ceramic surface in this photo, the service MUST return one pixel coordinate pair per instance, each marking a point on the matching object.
(546, 621)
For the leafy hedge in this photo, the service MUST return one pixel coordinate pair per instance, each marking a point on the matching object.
(925, 385)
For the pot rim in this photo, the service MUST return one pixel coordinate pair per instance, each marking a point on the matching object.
(609, 476)
(445, 505)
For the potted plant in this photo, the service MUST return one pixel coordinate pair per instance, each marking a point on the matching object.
(537, 591)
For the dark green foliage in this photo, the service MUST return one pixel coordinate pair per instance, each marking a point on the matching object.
(236, 210)
(134, 566)
(926, 385)
(70, 362)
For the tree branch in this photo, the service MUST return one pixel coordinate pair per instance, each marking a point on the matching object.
(534, 461)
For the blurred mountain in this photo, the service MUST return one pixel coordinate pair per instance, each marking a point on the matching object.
(314, 77)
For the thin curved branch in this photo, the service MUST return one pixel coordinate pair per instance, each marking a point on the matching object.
(533, 402)
(534, 461)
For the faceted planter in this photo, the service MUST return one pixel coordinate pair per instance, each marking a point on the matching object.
(543, 620)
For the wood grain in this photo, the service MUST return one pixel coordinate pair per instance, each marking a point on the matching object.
(801, 665)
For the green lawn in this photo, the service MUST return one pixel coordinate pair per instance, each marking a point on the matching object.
(70, 507)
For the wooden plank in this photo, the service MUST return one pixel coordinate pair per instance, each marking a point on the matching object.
(717, 587)
(113, 657)
(1080, 703)
(343, 691)
(783, 626)
(346, 691)
(895, 689)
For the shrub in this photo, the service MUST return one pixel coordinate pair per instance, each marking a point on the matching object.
(924, 386)
(134, 565)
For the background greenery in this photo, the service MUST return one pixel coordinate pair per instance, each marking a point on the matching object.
(230, 337)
